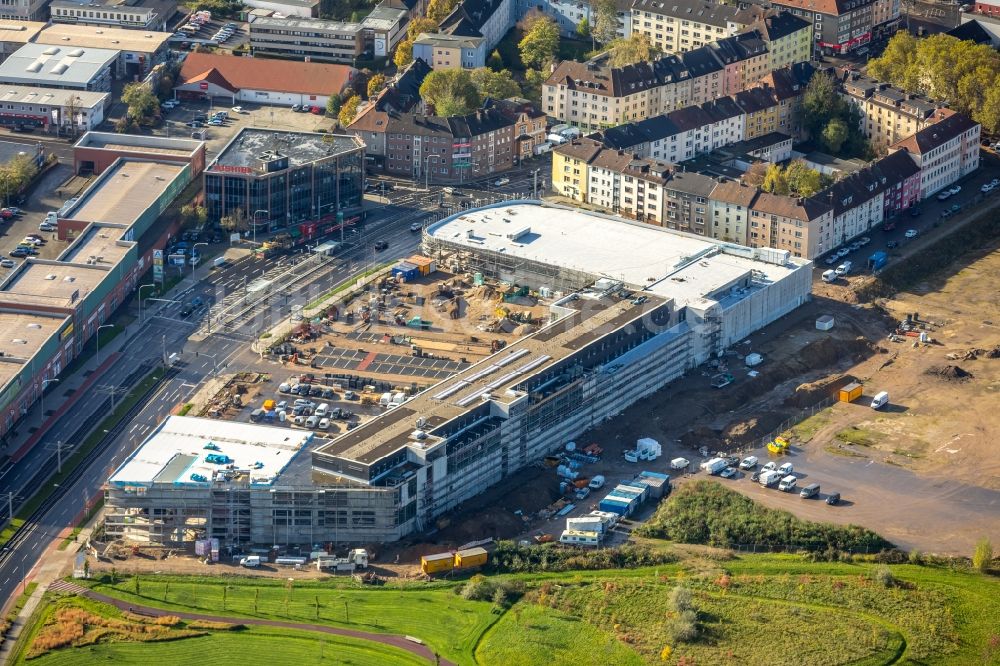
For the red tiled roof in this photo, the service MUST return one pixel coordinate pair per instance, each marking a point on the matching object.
(306, 78)
(213, 76)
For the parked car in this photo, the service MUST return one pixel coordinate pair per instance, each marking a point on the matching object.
(501, 181)
(891, 244)
(749, 462)
(324, 424)
(7, 263)
(955, 189)
(316, 111)
(943, 194)
(296, 107)
(416, 226)
(986, 188)
(786, 468)
(728, 473)
(844, 268)
(769, 467)
(312, 421)
(381, 245)
(833, 499)
(911, 233)
(239, 109)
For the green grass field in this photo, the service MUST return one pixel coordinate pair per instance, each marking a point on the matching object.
(433, 613)
(822, 613)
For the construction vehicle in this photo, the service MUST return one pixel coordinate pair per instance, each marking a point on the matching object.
(357, 558)
(722, 379)
(778, 445)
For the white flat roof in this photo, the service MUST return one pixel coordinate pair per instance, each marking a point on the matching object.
(84, 99)
(177, 450)
(667, 263)
(47, 65)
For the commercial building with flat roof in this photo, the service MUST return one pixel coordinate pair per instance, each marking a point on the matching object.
(15, 34)
(69, 68)
(308, 182)
(139, 50)
(96, 151)
(71, 296)
(299, 38)
(634, 308)
(51, 110)
(128, 14)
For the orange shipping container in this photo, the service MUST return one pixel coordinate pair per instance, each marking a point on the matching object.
(437, 563)
(471, 557)
(851, 392)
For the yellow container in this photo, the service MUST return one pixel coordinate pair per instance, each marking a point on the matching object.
(851, 392)
(471, 557)
(437, 563)
(269, 405)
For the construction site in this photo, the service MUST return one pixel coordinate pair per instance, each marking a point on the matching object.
(573, 328)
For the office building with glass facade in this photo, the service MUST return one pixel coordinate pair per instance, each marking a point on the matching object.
(303, 181)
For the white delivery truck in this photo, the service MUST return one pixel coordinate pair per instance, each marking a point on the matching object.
(769, 478)
(787, 484)
(715, 465)
(880, 400)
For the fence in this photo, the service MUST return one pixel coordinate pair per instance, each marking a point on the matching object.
(798, 418)
(793, 548)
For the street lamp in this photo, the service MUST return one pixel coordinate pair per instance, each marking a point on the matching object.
(45, 382)
(141, 287)
(193, 253)
(266, 213)
(99, 340)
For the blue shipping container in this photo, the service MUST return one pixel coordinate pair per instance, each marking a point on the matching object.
(643, 491)
(656, 475)
(615, 506)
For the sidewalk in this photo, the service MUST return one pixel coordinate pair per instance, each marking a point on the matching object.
(51, 567)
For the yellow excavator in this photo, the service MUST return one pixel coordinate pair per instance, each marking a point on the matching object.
(778, 445)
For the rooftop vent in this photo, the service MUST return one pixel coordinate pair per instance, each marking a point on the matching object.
(51, 276)
(34, 325)
(51, 51)
(75, 53)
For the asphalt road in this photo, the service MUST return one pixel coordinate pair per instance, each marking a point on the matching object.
(164, 332)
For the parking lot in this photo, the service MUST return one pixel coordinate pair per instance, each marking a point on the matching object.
(44, 197)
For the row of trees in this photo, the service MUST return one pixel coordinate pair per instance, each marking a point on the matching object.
(961, 72)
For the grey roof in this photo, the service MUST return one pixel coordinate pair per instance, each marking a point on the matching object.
(702, 11)
(694, 184)
(300, 147)
(469, 17)
(55, 66)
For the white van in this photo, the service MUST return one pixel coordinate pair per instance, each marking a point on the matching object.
(787, 484)
(880, 400)
(323, 409)
(844, 268)
(830, 276)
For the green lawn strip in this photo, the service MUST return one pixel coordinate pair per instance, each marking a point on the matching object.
(407, 612)
(345, 285)
(31, 628)
(21, 601)
(82, 451)
(530, 634)
(95, 507)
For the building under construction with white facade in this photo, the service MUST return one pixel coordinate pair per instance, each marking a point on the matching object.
(633, 308)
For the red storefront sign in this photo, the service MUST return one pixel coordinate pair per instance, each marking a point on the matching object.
(229, 168)
(203, 85)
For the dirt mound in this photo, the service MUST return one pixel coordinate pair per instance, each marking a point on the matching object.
(828, 351)
(752, 430)
(951, 373)
(813, 392)
(702, 436)
(993, 353)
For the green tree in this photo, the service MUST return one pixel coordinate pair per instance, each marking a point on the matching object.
(540, 41)
(605, 13)
(450, 91)
(498, 85)
(775, 181)
(404, 53)
(140, 100)
(820, 104)
(982, 558)
(802, 180)
(630, 50)
(349, 111)
(194, 215)
(834, 135)
(533, 81)
(495, 62)
(235, 221)
(16, 175)
(583, 28)
(897, 61)
(375, 84)
(419, 26)
(333, 105)
(437, 10)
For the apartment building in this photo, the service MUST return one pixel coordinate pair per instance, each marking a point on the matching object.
(788, 37)
(761, 109)
(529, 125)
(676, 26)
(400, 96)
(730, 204)
(745, 59)
(489, 19)
(844, 26)
(442, 51)
(568, 13)
(888, 114)
(571, 167)
(789, 223)
(786, 86)
(945, 151)
(301, 38)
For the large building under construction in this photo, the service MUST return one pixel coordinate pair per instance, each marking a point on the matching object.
(633, 308)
